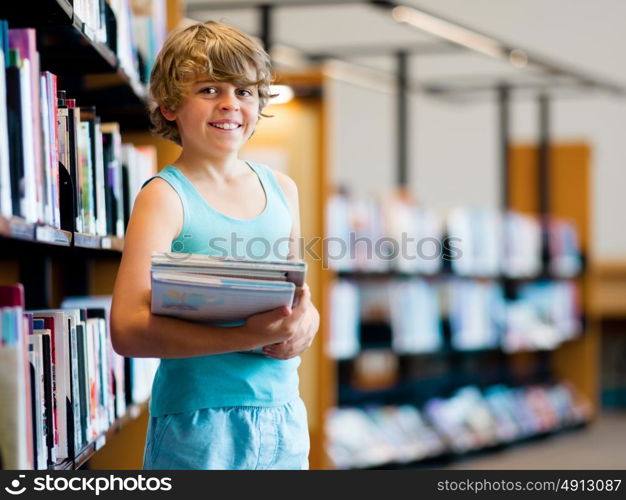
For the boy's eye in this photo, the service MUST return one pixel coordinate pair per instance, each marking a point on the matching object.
(245, 92)
(208, 90)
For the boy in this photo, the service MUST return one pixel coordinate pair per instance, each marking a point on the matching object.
(214, 405)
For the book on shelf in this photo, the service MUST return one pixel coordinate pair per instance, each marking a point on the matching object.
(126, 48)
(139, 164)
(415, 317)
(478, 233)
(6, 205)
(544, 315)
(477, 314)
(16, 423)
(49, 414)
(344, 336)
(418, 235)
(23, 41)
(112, 159)
(564, 246)
(22, 200)
(220, 289)
(522, 254)
(92, 14)
(150, 30)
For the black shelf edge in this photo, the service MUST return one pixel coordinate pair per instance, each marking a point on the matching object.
(84, 240)
(17, 228)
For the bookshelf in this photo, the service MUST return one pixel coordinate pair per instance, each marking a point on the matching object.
(54, 263)
(575, 361)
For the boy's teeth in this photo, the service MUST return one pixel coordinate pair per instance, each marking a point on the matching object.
(227, 126)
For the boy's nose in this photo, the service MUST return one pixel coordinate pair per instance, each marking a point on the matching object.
(229, 102)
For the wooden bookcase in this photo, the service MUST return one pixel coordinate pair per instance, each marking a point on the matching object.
(570, 180)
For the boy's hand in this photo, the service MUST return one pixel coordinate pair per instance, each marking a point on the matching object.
(302, 325)
(269, 327)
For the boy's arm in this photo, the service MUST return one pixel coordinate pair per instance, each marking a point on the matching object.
(156, 220)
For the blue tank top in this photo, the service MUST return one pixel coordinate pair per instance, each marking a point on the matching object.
(240, 378)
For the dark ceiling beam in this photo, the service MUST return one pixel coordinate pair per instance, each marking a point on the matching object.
(490, 83)
(266, 26)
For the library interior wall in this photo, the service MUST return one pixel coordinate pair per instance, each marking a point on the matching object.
(454, 149)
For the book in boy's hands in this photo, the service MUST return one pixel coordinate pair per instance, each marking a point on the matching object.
(220, 289)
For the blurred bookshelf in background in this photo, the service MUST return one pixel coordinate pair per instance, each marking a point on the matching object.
(429, 314)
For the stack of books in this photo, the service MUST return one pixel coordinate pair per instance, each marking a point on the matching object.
(220, 289)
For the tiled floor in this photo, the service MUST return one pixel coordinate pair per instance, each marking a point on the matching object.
(601, 445)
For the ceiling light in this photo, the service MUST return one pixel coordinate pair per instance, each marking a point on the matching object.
(449, 31)
(285, 94)
(518, 58)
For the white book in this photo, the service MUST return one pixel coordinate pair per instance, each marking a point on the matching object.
(5, 171)
(414, 308)
(100, 185)
(87, 178)
(344, 340)
(62, 376)
(73, 318)
(35, 356)
(52, 451)
(91, 382)
(48, 196)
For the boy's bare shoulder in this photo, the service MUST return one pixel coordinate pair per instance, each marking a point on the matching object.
(158, 191)
(287, 184)
(159, 199)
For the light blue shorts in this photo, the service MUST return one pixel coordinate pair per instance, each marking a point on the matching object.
(237, 437)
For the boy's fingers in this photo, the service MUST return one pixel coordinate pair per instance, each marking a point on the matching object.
(305, 296)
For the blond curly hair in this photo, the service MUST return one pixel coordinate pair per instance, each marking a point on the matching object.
(213, 50)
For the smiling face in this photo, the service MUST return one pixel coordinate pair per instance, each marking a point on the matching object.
(216, 118)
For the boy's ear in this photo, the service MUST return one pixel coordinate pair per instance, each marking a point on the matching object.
(167, 114)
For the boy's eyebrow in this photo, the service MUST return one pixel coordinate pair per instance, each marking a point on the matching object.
(200, 82)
